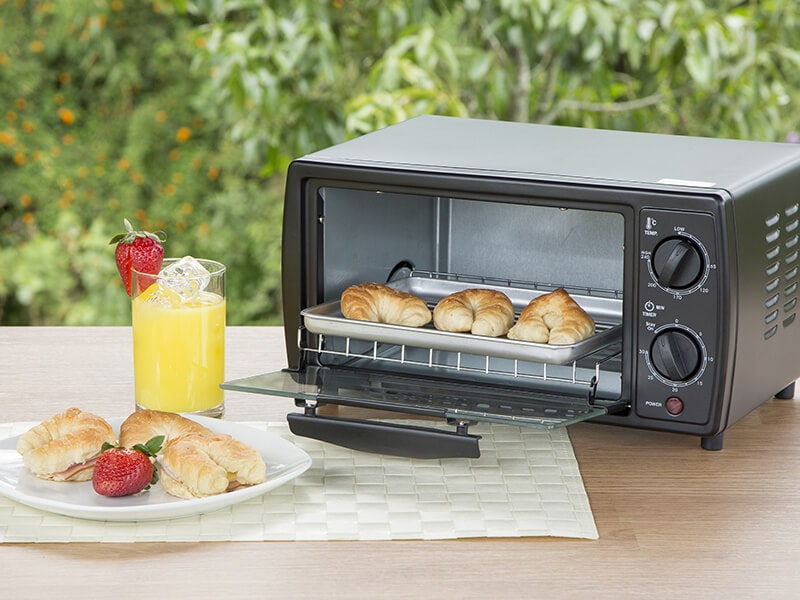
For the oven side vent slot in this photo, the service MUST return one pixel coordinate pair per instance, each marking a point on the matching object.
(782, 268)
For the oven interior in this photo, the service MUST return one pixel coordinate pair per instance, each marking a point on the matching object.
(433, 245)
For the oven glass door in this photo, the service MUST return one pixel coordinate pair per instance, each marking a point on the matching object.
(425, 396)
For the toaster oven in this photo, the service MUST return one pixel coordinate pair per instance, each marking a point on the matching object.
(683, 250)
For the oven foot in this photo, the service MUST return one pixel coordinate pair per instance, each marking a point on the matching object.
(786, 393)
(712, 442)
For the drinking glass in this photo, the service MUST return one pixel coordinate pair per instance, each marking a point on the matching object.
(179, 337)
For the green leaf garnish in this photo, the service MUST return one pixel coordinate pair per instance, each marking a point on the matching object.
(151, 447)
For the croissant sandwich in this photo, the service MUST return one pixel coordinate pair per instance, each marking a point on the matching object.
(143, 425)
(198, 465)
(66, 446)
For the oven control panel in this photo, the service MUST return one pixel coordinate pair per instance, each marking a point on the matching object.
(677, 309)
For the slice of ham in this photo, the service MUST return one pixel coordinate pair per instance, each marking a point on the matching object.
(71, 471)
(167, 471)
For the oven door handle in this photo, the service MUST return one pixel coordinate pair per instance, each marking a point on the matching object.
(410, 441)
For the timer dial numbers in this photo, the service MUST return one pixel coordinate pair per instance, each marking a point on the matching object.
(676, 355)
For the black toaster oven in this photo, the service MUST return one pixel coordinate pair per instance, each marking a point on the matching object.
(685, 251)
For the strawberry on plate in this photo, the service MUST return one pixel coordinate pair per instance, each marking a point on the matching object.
(126, 471)
(140, 250)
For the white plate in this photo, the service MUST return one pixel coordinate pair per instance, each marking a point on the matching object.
(284, 460)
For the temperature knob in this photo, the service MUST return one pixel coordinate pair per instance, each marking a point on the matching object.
(676, 355)
(677, 263)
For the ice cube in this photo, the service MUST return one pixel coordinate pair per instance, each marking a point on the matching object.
(186, 277)
(162, 296)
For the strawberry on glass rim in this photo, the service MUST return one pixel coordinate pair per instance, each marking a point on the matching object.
(139, 250)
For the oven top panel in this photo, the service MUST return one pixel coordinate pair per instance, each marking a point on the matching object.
(450, 144)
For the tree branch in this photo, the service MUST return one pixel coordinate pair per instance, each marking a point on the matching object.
(552, 65)
(610, 107)
(520, 101)
(603, 107)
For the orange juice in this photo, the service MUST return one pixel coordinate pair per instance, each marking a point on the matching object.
(178, 351)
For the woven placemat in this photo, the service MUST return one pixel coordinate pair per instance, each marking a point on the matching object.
(526, 483)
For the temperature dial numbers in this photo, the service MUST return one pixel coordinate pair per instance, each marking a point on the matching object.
(679, 264)
(677, 356)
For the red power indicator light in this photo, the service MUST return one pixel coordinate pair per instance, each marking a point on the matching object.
(674, 405)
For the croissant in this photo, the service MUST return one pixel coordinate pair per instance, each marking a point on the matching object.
(480, 311)
(197, 465)
(64, 447)
(382, 304)
(143, 425)
(553, 318)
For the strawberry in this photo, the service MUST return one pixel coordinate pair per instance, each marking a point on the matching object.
(126, 471)
(140, 250)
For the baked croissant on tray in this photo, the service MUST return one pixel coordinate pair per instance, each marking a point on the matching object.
(479, 311)
(553, 318)
(381, 304)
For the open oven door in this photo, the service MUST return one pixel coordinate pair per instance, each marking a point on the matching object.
(458, 404)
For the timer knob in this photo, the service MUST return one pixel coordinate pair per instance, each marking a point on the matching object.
(675, 354)
(677, 263)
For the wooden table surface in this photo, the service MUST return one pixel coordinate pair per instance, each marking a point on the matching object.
(674, 521)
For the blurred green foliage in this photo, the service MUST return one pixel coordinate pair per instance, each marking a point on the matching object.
(182, 115)
(103, 120)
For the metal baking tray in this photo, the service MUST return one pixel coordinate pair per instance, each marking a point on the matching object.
(327, 319)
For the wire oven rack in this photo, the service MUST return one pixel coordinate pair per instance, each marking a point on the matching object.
(575, 373)
(428, 348)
